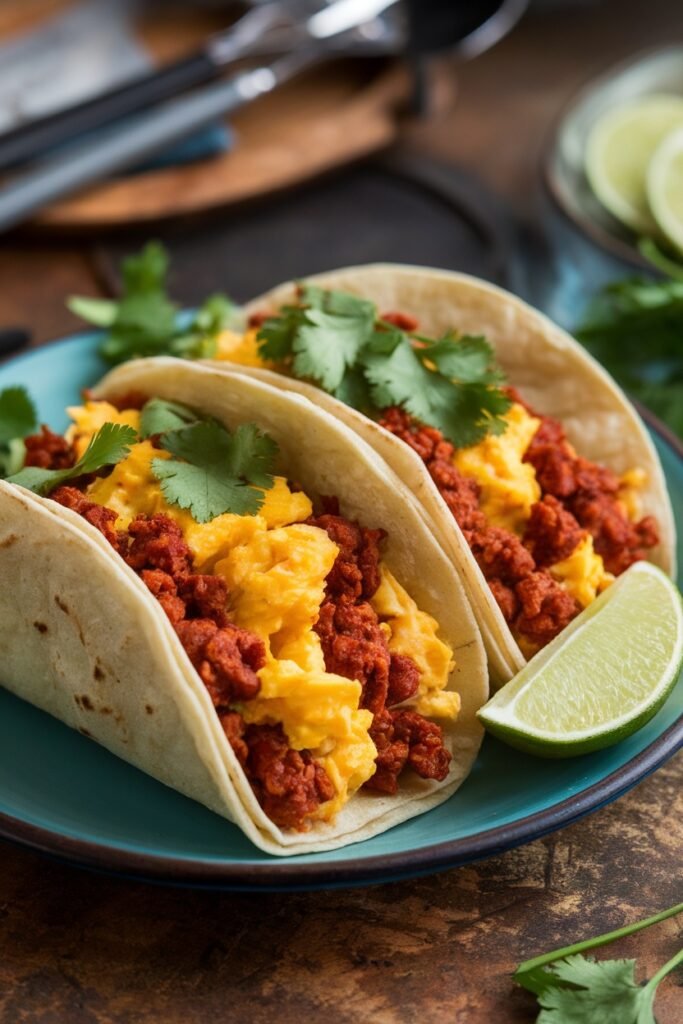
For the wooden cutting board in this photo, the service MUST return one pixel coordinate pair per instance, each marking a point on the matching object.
(327, 118)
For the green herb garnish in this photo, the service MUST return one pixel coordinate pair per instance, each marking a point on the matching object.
(635, 329)
(143, 322)
(215, 471)
(574, 989)
(336, 340)
(18, 419)
(159, 416)
(108, 446)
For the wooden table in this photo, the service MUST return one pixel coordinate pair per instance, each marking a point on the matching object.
(84, 949)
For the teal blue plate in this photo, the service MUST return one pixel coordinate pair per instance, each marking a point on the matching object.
(62, 794)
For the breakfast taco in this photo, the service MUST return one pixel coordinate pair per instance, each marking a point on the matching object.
(534, 470)
(229, 589)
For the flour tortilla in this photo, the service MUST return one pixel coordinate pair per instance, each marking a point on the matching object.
(550, 369)
(82, 637)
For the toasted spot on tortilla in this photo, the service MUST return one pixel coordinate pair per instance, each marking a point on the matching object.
(60, 604)
(97, 672)
(40, 626)
(83, 701)
(149, 709)
(85, 732)
(9, 540)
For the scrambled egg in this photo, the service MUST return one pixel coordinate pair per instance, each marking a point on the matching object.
(414, 633)
(508, 485)
(582, 573)
(630, 486)
(275, 567)
(240, 348)
(90, 417)
(509, 489)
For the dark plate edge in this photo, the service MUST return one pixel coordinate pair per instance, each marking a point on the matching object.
(282, 874)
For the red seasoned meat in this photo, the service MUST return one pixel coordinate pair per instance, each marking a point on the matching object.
(355, 572)
(551, 532)
(546, 608)
(157, 543)
(404, 321)
(404, 679)
(406, 738)
(101, 518)
(501, 555)
(227, 658)
(48, 451)
(165, 590)
(355, 647)
(288, 783)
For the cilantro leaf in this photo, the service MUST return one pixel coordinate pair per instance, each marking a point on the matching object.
(145, 271)
(634, 328)
(143, 322)
(337, 303)
(328, 344)
(108, 446)
(467, 359)
(100, 312)
(215, 471)
(335, 339)
(313, 331)
(158, 417)
(201, 338)
(573, 989)
(604, 992)
(18, 417)
(276, 334)
(12, 457)
(464, 413)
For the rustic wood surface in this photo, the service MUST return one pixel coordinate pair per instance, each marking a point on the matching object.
(79, 948)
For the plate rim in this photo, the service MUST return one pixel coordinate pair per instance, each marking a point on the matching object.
(280, 874)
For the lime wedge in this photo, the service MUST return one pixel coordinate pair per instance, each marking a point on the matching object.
(602, 678)
(665, 187)
(618, 152)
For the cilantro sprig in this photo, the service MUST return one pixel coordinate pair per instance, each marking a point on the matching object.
(143, 322)
(18, 419)
(108, 446)
(635, 329)
(214, 471)
(574, 989)
(337, 340)
(211, 471)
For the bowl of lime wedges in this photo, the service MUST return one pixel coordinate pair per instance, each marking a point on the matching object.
(613, 165)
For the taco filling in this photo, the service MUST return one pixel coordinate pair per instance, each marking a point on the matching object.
(324, 673)
(548, 528)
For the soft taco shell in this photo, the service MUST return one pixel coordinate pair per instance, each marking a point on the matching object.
(82, 637)
(551, 370)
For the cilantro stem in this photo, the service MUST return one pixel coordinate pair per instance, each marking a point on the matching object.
(666, 969)
(603, 940)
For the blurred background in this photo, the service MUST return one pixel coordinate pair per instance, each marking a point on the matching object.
(265, 140)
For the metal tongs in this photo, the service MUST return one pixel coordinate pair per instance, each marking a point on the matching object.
(266, 30)
(121, 146)
(296, 34)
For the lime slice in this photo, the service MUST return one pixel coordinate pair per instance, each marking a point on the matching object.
(665, 187)
(603, 677)
(618, 152)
